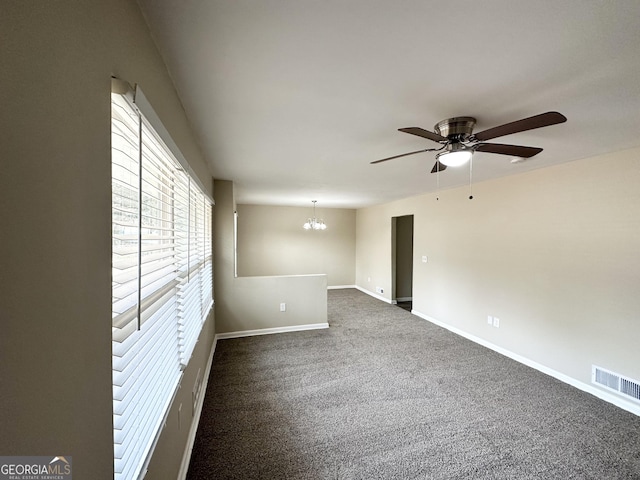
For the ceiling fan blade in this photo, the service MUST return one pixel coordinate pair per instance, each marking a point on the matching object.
(513, 150)
(403, 155)
(421, 132)
(537, 121)
(438, 167)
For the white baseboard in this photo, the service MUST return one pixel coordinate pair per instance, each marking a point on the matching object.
(404, 299)
(374, 295)
(585, 387)
(186, 456)
(269, 331)
(339, 287)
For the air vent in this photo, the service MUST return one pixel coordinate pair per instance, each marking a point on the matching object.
(616, 382)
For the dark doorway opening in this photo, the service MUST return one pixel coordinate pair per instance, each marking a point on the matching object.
(402, 261)
(406, 305)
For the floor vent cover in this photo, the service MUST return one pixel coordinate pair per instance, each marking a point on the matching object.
(616, 382)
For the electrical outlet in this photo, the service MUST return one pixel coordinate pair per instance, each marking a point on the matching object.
(496, 322)
(425, 259)
(489, 319)
(283, 307)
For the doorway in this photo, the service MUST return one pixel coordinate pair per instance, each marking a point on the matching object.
(402, 261)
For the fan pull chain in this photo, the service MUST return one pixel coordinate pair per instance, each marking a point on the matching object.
(437, 184)
(471, 178)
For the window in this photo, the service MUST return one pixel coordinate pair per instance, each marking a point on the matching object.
(161, 280)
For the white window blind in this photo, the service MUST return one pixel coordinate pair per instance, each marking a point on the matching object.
(161, 281)
(194, 291)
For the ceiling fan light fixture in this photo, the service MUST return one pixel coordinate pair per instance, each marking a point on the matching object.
(455, 159)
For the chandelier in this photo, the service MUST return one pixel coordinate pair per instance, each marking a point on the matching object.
(313, 223)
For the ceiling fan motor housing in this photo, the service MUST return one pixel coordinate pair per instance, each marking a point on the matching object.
(457, 128)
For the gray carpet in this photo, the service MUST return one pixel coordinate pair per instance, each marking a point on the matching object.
(382, 394)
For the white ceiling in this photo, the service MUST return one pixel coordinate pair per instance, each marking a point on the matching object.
(291, 99)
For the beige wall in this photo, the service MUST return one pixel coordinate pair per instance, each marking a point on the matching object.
(55, 193)
(271, 241)
(253, 303)
(553, 253)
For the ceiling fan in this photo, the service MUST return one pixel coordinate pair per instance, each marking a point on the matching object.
(458, 142)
